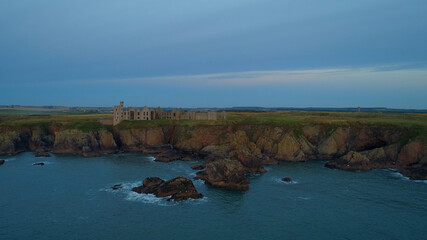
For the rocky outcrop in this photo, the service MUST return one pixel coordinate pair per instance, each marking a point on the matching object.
(39, 164)
(225, 173)
(87, 144)
(293, 148)
(199, 167)
(351, 147)
(117, 187)
(178, 189)
(2, 161)
(286, 179)
(42, 154)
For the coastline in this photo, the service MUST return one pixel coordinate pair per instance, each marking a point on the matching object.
(231, 151)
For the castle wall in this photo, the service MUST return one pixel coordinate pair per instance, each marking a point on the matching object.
(142, 114)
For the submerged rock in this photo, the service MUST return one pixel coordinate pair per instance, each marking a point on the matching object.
(39, 164)
(167, 156)
(199, 167)
(287, 179)
(117, 186)
(2, 161)
(179, 188)
(42, 154)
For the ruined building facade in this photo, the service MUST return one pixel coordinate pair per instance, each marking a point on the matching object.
(121, 113)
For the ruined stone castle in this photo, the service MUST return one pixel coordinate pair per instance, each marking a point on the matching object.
(121, 113)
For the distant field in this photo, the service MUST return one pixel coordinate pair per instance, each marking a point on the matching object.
(280, 118)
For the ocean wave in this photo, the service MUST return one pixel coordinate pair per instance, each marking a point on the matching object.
(148, 198)
(398, 175)
(151, 158)
(279, 180)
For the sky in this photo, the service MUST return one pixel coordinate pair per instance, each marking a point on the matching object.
(222, 53)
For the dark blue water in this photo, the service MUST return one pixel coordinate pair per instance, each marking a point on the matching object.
(70, 198)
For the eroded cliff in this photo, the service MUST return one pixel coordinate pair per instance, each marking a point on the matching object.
(231, 151)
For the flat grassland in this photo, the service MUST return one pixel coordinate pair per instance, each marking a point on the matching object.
(415, 123)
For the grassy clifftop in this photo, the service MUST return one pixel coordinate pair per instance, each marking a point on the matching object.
(416, 124)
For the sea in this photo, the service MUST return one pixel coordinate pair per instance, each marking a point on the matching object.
(70, 197)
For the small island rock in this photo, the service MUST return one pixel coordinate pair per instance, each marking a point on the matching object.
(42, 154)
(117, 186)
(287, 179)
(39, 164)
(2, 161)
(198, 167)
(179, 188)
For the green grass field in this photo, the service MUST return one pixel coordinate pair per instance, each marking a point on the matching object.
(416, 123)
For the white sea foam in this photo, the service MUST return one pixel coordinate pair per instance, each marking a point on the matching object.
(198, 182)
(148, 198)
(126, 192)
(151, 158)
(401, 176)
(304, 198)
(279, 180)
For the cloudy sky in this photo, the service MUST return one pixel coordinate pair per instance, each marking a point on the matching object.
(223, 53)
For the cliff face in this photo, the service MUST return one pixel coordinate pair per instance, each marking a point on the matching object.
(356, 147)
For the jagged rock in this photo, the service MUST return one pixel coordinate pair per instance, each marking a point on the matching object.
(186, 159)
(293, 148)
(335, 145)
(412, 153)
(287, 179)
(179, 188)
(198, 167)
(117, 186)
(39, 164)
(2, 161)
(269, 161)
(351, 161)
(42, 154)
(416, 171)
(225, 173)
(167, 156)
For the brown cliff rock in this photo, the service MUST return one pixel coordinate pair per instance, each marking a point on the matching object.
(412, 153)
(42, 154)
(334, 145)
(225, 173)
(292, 148)
(179, 188)
(88, 144)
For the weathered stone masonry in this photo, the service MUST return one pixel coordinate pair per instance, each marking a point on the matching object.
(121, 113)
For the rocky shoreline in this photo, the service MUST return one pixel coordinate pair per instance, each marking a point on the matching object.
(231, 152)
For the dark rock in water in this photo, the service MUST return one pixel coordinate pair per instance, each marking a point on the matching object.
(167, 156)
(416, 171)
(180, 188)
(287, 179)
(2, 161)
(269, 161)
(117, 186)
(42, 154)
(199, 167)
(225, 173)
(39, 164)
(149, 185)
